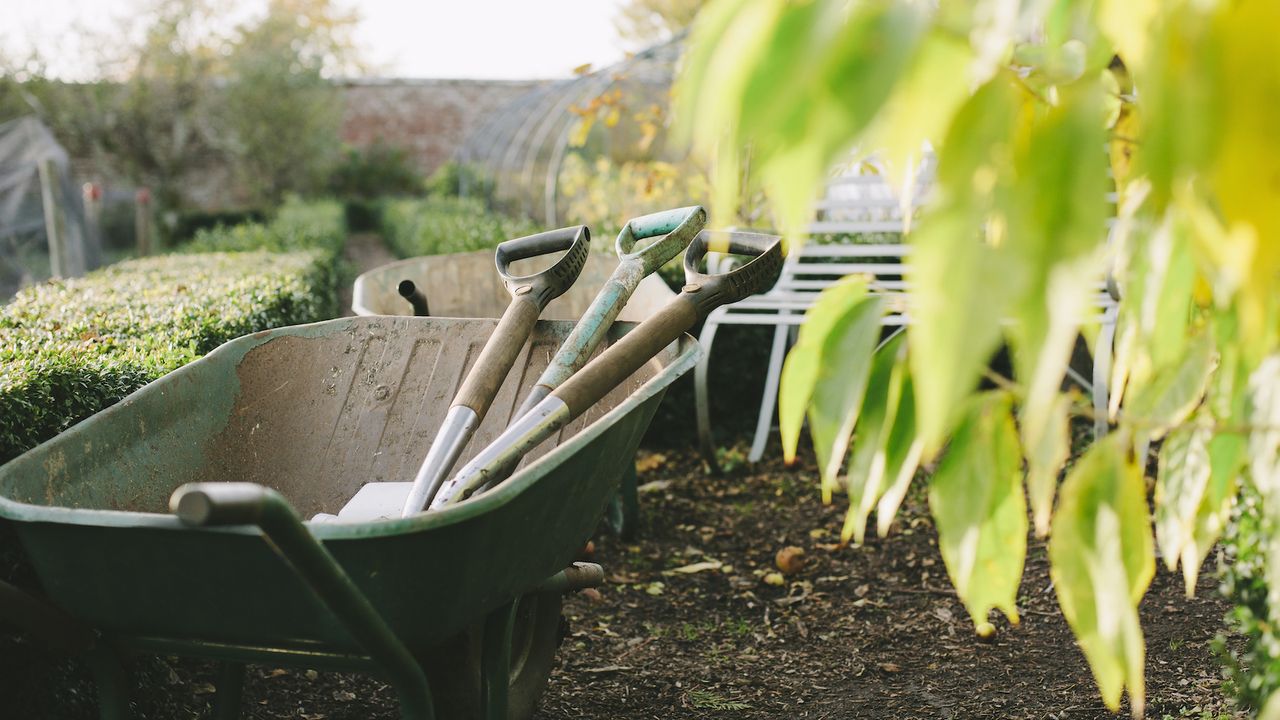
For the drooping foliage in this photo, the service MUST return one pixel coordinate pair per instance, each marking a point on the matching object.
(1076, 142)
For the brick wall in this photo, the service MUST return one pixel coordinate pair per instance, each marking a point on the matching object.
(429, 118)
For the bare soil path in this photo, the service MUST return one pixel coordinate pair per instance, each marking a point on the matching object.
(363, 252)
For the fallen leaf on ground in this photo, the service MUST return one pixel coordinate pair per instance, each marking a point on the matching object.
(650, 462)
(696, 567)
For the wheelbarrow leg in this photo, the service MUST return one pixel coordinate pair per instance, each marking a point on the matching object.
(226, 703)
(624, 507)
(495, 662)
(112, 681)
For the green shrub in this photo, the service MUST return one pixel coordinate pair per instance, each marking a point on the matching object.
(453, 179)
(191, 222)
(297, 225)
(379, 170)
(1253, 671)
(440, 225)
(71, 348)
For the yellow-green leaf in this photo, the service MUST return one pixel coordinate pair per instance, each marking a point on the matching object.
(976, 500)
(1181, 483)
(1175, 390)
(866, 472)
(801, 369)
(1101, 562)
(1047, 452)
(843, 366)
(958, 301)
(903, 453)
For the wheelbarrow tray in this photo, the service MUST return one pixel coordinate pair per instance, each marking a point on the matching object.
(465, 285)
(314, 411)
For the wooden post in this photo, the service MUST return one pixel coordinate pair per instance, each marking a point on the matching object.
(54, 224)
(92, 194)
(142, 221)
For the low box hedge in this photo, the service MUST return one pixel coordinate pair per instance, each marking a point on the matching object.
(71, 348)
(440, 225)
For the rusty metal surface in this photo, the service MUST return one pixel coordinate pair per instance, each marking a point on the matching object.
(467, 285)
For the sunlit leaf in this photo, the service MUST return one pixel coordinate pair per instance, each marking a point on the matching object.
(865, 476)
(962, 286)
(1226, 461)
(1175, 390)
(1046, 453)
(921, 107)
(976, 500)
(1127, 23)
(1248, 159)
(1101, 562)
(1055, 241)
(959, 300)
(903, 453)
(1181, 484)
(1182, 100)
(843, 366)
(800, 371)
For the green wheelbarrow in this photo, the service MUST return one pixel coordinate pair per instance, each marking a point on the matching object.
(459, 609)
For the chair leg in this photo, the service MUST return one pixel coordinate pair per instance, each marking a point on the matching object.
(112, 681)
(769, 401)
(495, 662)
(1102, 372)
(701, 404)
(226, 703)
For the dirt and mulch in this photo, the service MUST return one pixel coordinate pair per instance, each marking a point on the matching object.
(690, 626)
(363, 252)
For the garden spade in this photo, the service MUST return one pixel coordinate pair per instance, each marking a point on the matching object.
(701, 294)
(679, 226)
(529, 297)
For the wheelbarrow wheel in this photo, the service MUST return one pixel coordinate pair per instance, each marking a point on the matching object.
(455, 671)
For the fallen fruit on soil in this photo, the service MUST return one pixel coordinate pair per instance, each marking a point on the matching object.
(790, 559)
(774, 578)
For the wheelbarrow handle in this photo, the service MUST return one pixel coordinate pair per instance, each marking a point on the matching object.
(679, 226)
(545, 286)
(241, 503)
(701, 294)
(410, 291)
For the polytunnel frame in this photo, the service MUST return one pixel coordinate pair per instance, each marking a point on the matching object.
(510, 143)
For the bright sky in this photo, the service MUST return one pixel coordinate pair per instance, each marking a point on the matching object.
(515, 39)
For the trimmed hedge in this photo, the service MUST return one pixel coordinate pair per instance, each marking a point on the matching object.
(297, 225)
(440, 225)
(71, 348)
